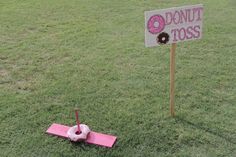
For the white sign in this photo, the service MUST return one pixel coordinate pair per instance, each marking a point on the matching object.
(173, 25)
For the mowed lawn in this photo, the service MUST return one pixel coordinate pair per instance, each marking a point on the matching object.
(56, 55)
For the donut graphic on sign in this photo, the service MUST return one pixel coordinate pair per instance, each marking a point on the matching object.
(163, 38)
(156, 25)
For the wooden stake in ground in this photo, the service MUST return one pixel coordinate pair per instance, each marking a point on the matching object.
(172, 79)
(77, 120)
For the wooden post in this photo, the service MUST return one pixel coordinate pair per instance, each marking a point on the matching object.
(172, 79)
(77, 120)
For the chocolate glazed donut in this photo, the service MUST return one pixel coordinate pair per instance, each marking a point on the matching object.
(163, 38)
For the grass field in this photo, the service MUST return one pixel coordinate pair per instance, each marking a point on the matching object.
(56, 55)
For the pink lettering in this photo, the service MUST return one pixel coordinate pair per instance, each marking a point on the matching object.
(189, 33)
(197, 31)
(176, 16)
(198, 10)
(182, 34)
(183, 16)
(174, 32)
(190, 18)
(168, 19)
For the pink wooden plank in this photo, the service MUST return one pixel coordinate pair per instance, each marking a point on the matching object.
(58, 130)
(101, 139)
(93, 137)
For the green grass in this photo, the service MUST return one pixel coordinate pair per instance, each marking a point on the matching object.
(57, 54)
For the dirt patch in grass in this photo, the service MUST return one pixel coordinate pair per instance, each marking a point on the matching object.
(3, 73)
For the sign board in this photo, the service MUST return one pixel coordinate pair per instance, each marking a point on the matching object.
(173, 25)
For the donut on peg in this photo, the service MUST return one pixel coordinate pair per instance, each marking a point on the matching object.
(72, 133)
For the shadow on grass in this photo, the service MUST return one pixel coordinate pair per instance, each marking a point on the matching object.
(219, 133)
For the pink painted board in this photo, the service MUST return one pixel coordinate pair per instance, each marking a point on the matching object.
(58, 130)
(101, 139)
(93, 137)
